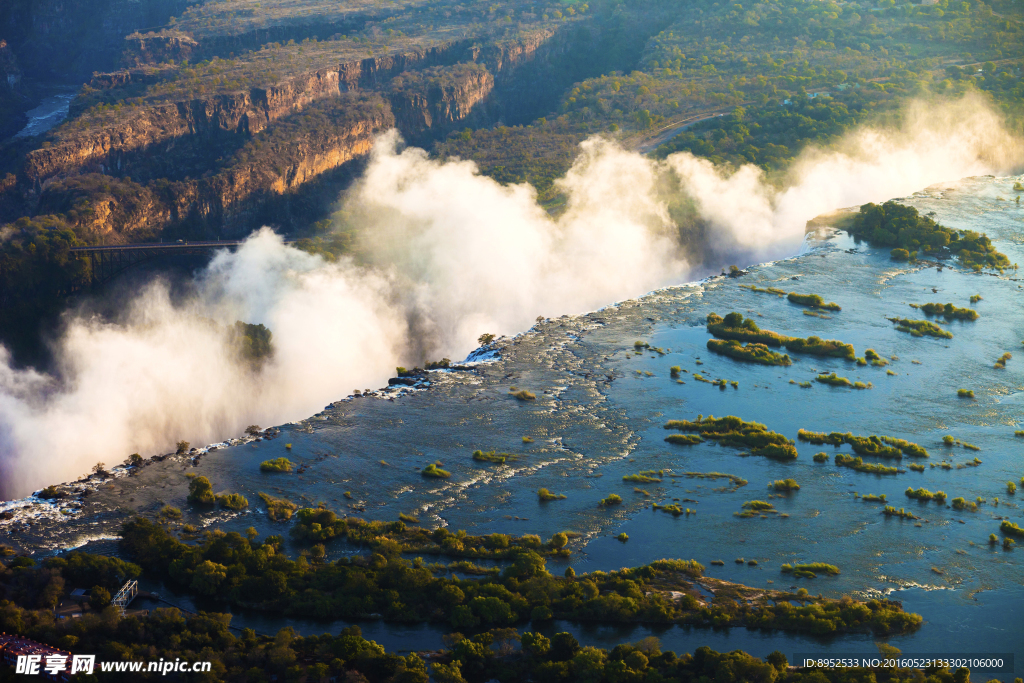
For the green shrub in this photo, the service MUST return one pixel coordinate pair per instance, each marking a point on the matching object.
(812, 301)
(435, 472)
(546, 495)
(751, 353)
(612, 499)
(812, 568)
(965, 393)
(920, 328)
(834, 380)
(926, 495)
(200, 491)
(525, 395)
(1011, 529)
(492, 456)
(872, 498)
(899, 254)
(949, 311)
(648, 477)
(278, 509)
(821, 457)
(276, 465)
(684, 439)
(232, 501)
(785, 485)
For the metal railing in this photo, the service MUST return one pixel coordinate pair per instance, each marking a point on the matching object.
(124, 596)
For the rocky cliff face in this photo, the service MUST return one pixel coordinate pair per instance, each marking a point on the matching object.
(433, 102)
(179, 145)
(226, 203)
(133, 145)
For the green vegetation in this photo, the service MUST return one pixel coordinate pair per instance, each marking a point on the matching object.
(964, 504)
(834, 380)
(1000, 364)
(756, 508)
(812, 301)
(1011, 488)
(766, 290)
(622, 538)
(810, 570)
(915, 467)
(821, 457)
(880, 446)
(200, 491)
(752, 352)
(785, 485)
(232, 501)
(872, 498)
(949, 311)
(276, 465)
(859, 465)
(527, 439)
(525, 395)
(408, 519)
(612, 499)
(965, 393)
(493, 456)
(648, 477)
(920, 328)
(684, 439)
(278, 509)
(1011, 529)
(544, 495)
(890, 511)
(434, 472)
(975, 298)
(675, 510)
(732, 431)
(925, 495)
(254, 343)
(894, 225)
(735, 327)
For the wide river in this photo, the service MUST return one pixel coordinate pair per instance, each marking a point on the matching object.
(599, 415)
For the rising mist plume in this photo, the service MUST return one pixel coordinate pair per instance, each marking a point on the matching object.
(445, 255)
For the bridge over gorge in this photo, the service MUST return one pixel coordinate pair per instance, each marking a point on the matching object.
(108, 262)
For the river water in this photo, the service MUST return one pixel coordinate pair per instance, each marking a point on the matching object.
(599, 415)
(50, 112)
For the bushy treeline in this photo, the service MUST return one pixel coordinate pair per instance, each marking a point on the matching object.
(258, 575)
(895, 225)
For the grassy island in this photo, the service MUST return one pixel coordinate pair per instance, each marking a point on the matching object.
(648, 477)
(276, 465)
(920, 328)
(433, 471)
(493, 456)
(278, 509)
(756, 508)
(925, 495)
(684, 439)
(612, 499)
(1011, 529)
(890, 511)
(733, 431)
(752, 352)
(859, 465)
(524, 395)
(785, 485)
(949, 311)
(881, 446)
(961, 504)
(810, 570)
(544, 495)
(765, 290)
(893, 225)
(834, 380)
(812, 301)
(872, 498)
(733, 326)
(737, 328)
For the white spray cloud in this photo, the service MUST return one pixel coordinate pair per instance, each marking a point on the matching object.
(446, 255)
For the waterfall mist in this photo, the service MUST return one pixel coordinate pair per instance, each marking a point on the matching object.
(443, 255)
